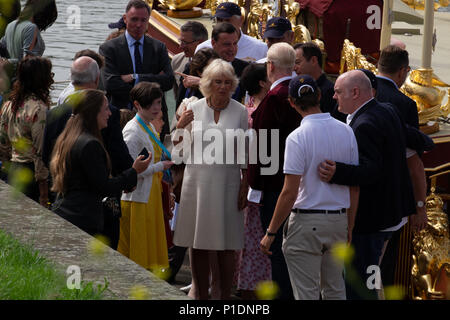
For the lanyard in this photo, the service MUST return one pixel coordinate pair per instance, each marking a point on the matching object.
(158, 142)
(152, 135)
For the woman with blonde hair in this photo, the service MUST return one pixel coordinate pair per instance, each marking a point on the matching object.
(213, 195)
(81, 167)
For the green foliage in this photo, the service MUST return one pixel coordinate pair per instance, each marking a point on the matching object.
(25, 275)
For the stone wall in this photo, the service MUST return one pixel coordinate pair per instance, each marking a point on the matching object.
(66, 245)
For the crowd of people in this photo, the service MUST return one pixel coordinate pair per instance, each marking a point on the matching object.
(349, 168)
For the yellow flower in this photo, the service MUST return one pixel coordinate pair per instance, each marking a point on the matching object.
(267, 290)
(393, 293)
(98, 245)
(22, 145)
(139, 292)
(343, 252)
(162, 273)
(21, 178)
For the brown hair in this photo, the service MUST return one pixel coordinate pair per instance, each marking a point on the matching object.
(200, 61)
(34, 77)
(86, 105)
(43, 12)
(392, 59)
(145, 93)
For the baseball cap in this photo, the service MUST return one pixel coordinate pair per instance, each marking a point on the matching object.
(276, 27)
(118, 25)
(298, 83)
(372, 77)
(227, 10)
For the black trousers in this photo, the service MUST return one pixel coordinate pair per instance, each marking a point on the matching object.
(111, 226)
(280, 273)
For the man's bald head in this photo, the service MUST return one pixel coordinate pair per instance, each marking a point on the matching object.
(352, 89)
(85, 72)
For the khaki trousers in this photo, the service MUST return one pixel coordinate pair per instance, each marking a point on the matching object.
(308, 242)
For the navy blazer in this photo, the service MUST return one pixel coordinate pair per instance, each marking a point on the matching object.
(386, 194)
(112, 137)
(388, 92)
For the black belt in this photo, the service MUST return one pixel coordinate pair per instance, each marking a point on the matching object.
(313, 211)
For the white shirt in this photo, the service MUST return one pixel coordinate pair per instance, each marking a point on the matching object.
(249, 48)
(65, 93)
(277, 82)
(318, 138)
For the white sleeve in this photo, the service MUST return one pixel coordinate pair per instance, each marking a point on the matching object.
(135, 146)
(410, 153)
(294, 156)
(354, 156)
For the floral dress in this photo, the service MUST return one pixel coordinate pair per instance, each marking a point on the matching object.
(253, 266)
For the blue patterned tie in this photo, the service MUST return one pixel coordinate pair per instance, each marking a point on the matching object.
(137, 58)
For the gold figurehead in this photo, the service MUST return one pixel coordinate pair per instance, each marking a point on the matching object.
(421, 86)
(431, 254)
(179, 4)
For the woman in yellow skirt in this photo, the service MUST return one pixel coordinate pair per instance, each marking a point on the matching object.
(142, 231)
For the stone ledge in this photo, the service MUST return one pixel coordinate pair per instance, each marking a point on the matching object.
(65, 244)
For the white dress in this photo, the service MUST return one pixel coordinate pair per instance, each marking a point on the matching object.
(208, 216)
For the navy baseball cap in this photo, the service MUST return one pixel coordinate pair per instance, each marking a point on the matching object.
(372, 77)
(276, 27)
(227, 10)
(118, 25)
(298, 83)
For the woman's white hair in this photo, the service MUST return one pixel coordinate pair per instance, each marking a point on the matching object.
(217, 69)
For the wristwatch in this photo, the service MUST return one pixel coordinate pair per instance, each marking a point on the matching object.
(420, 204)
(133, 76)
(270, 234)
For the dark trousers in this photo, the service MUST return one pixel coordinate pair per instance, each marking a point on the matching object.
(280, 273)
(111, 228)
(176, 258)
(390, 257)
(29, 188)
(368, 249)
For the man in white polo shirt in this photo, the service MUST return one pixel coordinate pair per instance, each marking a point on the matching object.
(321, 214)
(249, 48)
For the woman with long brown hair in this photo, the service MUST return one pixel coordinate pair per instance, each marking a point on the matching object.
(22, 124)
(81, 167)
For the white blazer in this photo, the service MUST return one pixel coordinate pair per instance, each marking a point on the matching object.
(137, 139)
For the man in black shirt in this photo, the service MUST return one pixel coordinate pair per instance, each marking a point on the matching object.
(308, 60)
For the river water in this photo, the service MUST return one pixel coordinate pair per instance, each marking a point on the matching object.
(72, 32)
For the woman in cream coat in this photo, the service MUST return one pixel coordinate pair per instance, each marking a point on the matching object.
(142, 232)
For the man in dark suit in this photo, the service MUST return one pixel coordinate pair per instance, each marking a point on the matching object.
(386, 195)
(393, 68)
(275, 115)
(135, 57)
(224, 39)
(85, 74)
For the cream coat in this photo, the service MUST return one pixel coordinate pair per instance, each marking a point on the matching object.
(137, 139)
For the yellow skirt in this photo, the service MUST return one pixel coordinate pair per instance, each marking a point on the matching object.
(142, 231)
